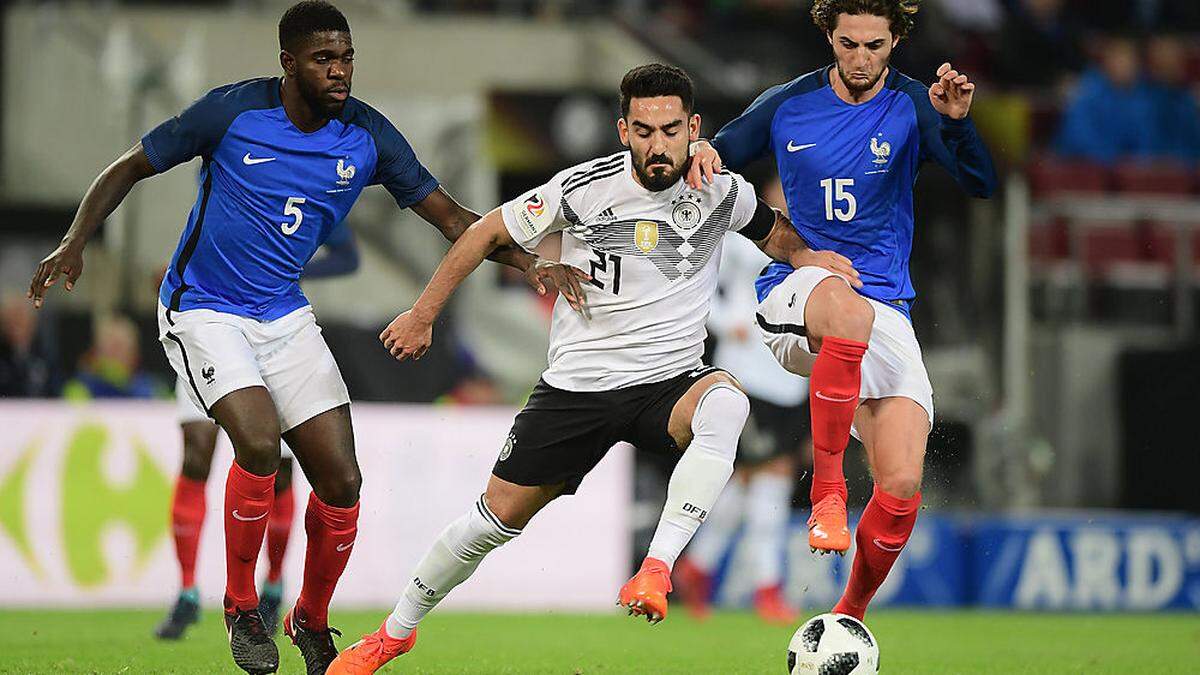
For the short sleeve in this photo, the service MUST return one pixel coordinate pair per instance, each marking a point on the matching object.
(398, 169)
(744, 205)
(195, 132)
(535, 214)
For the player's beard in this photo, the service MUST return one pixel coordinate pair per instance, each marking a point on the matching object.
(319, 101)
(659, 179)
(855, 86)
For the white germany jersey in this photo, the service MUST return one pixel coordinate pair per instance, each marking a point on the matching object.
(653, 258)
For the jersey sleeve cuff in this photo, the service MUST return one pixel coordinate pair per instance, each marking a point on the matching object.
(422, 192)
(957, 127)
(152, 155)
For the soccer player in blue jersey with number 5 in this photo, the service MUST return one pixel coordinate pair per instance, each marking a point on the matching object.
(284, 158)
(848, 140)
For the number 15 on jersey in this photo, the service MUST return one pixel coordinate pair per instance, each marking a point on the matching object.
(836, 191)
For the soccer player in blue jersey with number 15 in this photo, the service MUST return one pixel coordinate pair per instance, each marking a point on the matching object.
(848, 140)
(284, 158)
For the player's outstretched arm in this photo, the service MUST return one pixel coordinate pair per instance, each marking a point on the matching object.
(102, 198)
(947, 134)
(783, 243)
(452, 219)
(411, 333)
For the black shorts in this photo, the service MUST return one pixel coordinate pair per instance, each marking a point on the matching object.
(559, 436)
(772, 431)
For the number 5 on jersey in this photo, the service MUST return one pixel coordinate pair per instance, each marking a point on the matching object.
(292, 209)
(835, 190)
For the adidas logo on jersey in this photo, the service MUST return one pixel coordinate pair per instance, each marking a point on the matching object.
(606, 216)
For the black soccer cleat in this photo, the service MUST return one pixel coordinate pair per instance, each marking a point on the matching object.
(269, 602)
(184, 613)
(253, 649)
(316, 646)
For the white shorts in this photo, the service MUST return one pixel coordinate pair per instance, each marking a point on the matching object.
(216, 353)
(188, 412)
(892, 365)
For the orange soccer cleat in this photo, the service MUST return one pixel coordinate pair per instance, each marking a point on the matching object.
(827, 529)
(370, 653)
(646, 593)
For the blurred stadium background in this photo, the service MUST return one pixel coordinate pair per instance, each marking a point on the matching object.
(1059, 319)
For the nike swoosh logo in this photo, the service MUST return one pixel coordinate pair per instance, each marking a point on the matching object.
(792, 147)
(792, 302)
(251, 161)
(887, 548)
(343, 547)
(244, 519)
(831, 399)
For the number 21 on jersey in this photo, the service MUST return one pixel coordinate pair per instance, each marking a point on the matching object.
(835, 191)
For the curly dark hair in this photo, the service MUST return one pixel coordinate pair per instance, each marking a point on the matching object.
(901, 14)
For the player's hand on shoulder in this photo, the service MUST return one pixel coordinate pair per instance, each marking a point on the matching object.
(567, 279)
(951, 95)
(66, 260)
(706, 163)
(830, 260)
(407, 336)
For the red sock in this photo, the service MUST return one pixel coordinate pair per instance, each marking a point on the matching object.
(187, 517)
(882, 533)
(248, 501)
(832, 399)
(279, 529)
(331, 531)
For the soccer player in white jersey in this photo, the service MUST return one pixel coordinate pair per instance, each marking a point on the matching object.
(630, 370)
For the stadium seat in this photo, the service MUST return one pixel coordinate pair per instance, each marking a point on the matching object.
(1050, 175)
(1159, 178)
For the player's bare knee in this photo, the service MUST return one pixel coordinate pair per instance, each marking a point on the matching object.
(834, 310)
(902, 484)
(340, 490)
(257, 453)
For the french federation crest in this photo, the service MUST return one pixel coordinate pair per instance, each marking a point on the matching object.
(645, 235)
(345, 173)
(882, 151)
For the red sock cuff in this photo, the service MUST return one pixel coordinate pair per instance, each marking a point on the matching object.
(894, 505)
(847, 350)
(250, 485)
(189, 488)
(333, 517)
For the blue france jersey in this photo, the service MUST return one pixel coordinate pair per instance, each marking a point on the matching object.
(848, 170)
(270, 194)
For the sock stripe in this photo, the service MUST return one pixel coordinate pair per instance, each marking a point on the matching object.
(487, 513)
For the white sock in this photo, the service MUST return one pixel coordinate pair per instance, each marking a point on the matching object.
(451, 559)
(712, 540)
(702, 471)
(768, 504)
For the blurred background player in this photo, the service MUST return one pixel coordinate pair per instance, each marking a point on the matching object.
(284, 160)
(848, 140)
(337, 256)
(759, 497)
(626, 369)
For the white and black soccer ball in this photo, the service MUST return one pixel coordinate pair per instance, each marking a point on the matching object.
(833, 644)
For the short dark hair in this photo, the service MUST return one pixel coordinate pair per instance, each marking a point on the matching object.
(899, 13)
(656, 79)
(305, 18)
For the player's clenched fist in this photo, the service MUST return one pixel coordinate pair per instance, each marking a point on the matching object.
(834, 262)
(407, 335)
(951, 95)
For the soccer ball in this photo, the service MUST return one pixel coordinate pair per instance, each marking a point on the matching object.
(833, 644)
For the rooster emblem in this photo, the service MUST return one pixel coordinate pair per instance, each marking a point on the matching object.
(346, 173)
(881, 150)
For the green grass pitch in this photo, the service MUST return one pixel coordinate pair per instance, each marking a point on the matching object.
(114, 641)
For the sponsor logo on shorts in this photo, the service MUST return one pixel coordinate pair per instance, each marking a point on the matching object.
(209, 373)
(792, 302)
(508, 446)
